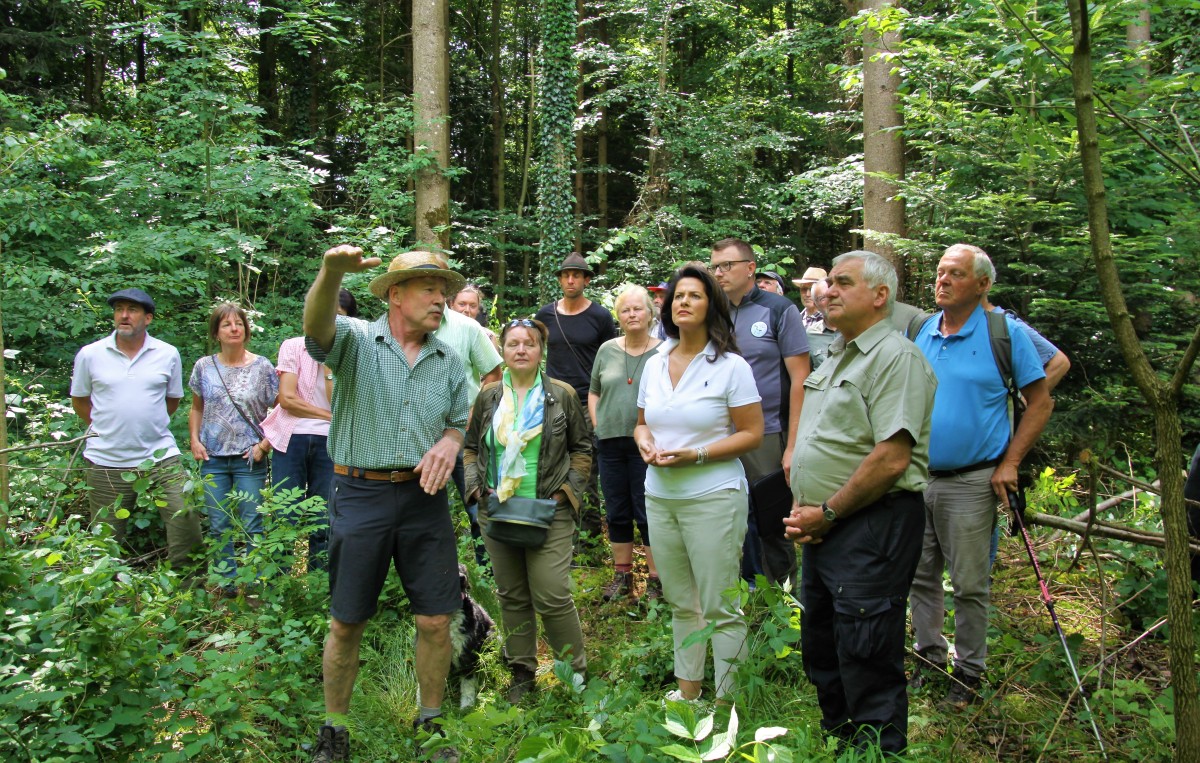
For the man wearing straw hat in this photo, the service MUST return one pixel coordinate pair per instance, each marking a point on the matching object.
(809, 314)
(399, 416)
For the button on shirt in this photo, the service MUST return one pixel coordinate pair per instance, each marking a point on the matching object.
(387, 415)
(868, 390)
(694, 413)
(970, 412)
(129, 400)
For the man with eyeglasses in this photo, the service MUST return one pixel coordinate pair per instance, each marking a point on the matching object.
(771, 337)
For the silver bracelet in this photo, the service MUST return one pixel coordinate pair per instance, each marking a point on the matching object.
(701, 455)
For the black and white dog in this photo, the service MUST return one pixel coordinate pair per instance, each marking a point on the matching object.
(470, 629)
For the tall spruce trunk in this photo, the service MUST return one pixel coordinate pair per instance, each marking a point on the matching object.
(431, 100)
(1162, 396)
(883, 144)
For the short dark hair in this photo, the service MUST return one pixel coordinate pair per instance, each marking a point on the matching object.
(744, 249)
(223, 311)
(347, 302)
(716, 321)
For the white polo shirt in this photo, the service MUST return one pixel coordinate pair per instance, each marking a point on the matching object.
(694, 413)
(129, 400)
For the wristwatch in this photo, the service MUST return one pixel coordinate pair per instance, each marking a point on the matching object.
(829, 514)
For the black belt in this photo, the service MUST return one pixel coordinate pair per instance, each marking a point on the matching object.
(396, 475)
(990, 463)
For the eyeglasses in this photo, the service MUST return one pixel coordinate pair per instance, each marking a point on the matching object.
(724, 266)
(526, 322)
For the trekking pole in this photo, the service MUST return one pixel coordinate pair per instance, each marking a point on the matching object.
(1017, 502)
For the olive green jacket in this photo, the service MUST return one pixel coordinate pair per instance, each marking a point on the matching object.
(565, 458)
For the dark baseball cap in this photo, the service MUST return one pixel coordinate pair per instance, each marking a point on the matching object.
(136, 296)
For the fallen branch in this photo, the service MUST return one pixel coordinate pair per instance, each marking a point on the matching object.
(1110, 503)
(1104, 530)
(55, 444)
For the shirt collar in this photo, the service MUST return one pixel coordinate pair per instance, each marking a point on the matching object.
(664, 349)
(973, 321)
(867, 340)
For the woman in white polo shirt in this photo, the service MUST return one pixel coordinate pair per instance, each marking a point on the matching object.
(698, 410)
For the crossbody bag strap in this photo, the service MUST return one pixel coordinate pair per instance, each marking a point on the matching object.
(582, 367)
(236, 407)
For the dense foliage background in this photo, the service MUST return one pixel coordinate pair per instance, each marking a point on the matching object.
(210, 150)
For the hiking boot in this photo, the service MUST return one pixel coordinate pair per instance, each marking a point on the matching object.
(432, 729)
(964, 690)
(523, 682)
(620, 586)
(926, 673)
(653, 590)
(333, 743)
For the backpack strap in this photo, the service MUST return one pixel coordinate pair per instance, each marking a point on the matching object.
(1002, 352)
(916, 324)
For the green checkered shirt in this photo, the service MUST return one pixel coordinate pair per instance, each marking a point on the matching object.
(387, 415)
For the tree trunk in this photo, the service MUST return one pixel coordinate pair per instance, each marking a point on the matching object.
(883, 144)
(654, 193)
(556, 110)
(499, 118)
(268, 83)
(431, 101)
(602, 146)
(580, 197)
(3, 431)
(1161, 395)
(1137, 36)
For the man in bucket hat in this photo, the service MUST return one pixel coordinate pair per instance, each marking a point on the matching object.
(399, 416)
(126, 386)
(577, 326)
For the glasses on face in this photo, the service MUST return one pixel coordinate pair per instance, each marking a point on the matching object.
(723, 267)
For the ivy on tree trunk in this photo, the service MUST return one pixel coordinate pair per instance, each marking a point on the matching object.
(558, 73)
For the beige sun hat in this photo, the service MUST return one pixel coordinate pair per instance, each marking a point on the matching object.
(408, 265)
(812, 275)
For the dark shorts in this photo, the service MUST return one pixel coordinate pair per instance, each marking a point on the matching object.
(377, 524)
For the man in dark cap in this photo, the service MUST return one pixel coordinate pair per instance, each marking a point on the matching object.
(578, 326)
(125, 387)
(769, 280)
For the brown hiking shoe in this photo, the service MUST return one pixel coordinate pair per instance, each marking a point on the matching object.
(653, 590)
(964, 691)
(620, 586)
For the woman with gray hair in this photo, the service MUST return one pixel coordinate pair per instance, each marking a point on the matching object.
(612, 404)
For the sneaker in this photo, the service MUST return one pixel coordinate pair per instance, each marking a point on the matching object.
(333, 743)
(926, 673)
(431, 728)
(620, 586)
(964, 690)
(654, 590)
(524, 681)
(676, 695)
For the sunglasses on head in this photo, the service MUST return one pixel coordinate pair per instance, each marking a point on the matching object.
(526, 322)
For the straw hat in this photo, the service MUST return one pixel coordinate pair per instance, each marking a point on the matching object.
(812, 275)
(408, 265)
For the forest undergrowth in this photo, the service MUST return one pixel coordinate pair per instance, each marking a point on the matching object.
(110, 660)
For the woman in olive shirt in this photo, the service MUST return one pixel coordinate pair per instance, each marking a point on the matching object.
(612, 403)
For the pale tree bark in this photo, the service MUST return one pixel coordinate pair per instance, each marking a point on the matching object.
(499, 119)
(431, 101)
(883, 143)
(1160, 393)
(1137, 36)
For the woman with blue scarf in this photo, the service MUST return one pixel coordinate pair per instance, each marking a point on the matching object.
(528, 438)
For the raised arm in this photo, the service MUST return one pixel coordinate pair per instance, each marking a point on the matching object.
(320, 306)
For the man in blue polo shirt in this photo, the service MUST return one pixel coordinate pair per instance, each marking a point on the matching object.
(973, 462)
(771, 337)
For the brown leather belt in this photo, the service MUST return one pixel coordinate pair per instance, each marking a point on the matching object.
(398, 475)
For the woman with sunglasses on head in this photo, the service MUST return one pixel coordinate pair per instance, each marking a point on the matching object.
(612, 403)
(528, 438)
(698, 410)
(232, 391)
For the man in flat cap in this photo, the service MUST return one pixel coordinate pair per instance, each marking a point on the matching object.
(125, 387)
(577, 326)
(400, 408)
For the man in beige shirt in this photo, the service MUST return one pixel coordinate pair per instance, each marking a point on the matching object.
(858, 469)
